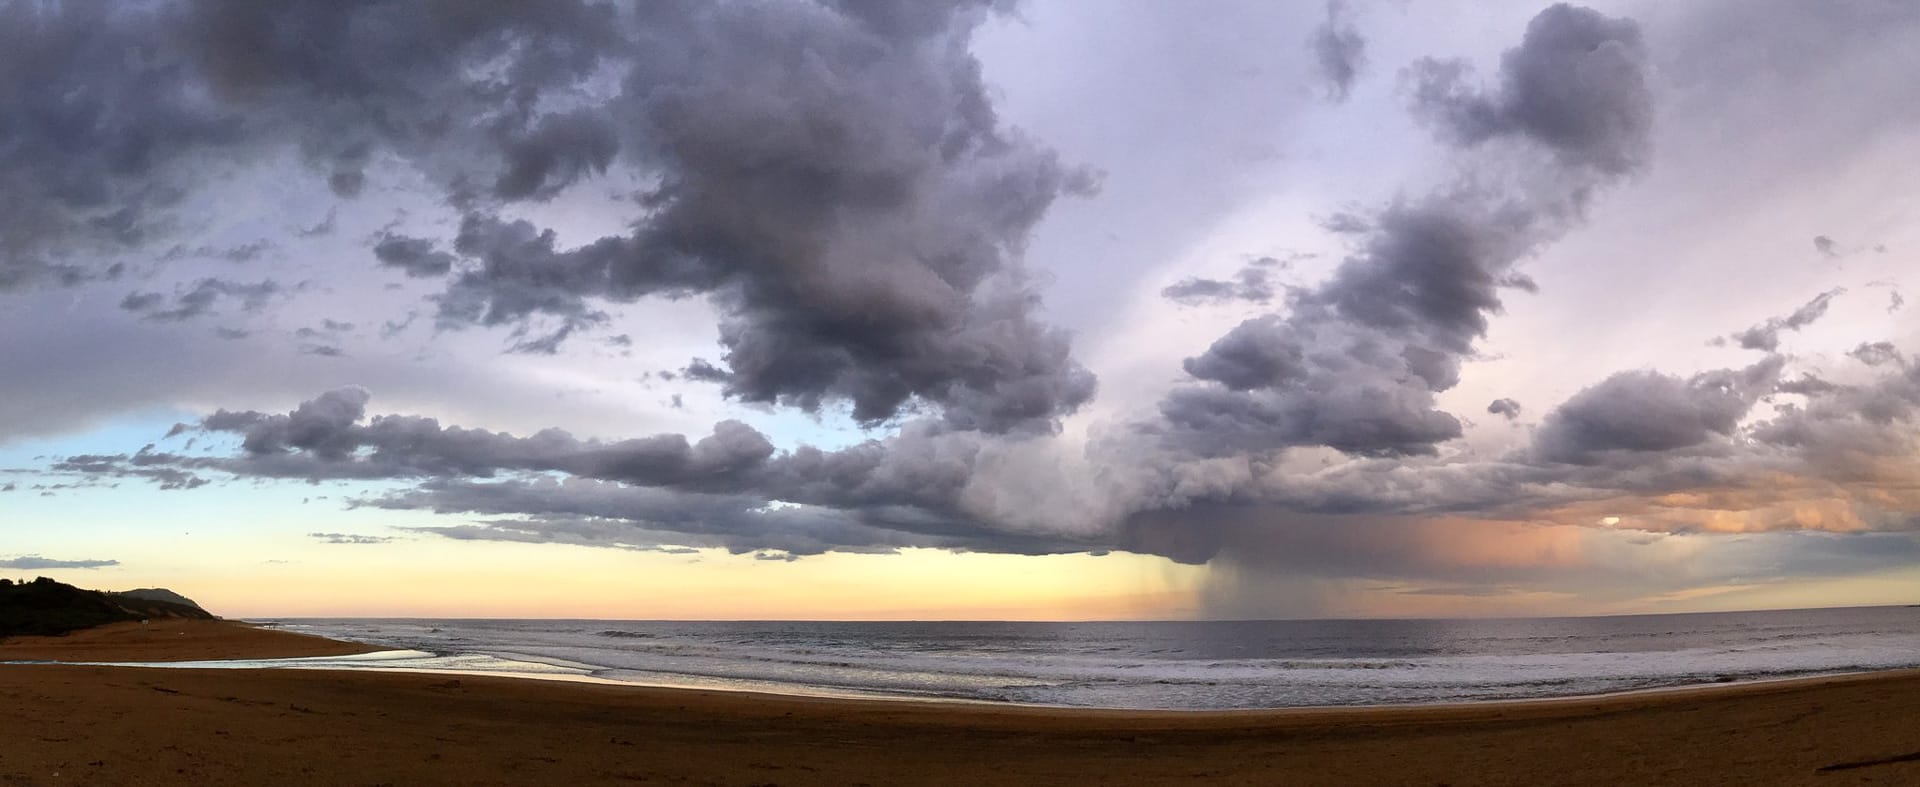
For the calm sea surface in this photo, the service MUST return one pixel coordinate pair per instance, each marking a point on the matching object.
(1185, 665)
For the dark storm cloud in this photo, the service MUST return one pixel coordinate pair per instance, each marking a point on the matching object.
(91, 138)
(200, 299)
(858, 222)
(1356, 362)
(1652, 412)
(100, 149)
(833, 176)
(1505, 408)
(36, 562)
(1576, 84)
(1338, 51)
(1253, 283)
(1766, 336)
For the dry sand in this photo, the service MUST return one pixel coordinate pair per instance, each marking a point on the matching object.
(64, 724)
(174, 640)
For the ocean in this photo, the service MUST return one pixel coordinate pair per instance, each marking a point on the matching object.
(1166, 665)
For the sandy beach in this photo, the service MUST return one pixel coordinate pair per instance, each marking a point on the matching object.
(70, 724)
(175, 640)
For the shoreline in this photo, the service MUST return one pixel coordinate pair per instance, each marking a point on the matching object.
(1499, 707)
(268, 642)
(190, 725)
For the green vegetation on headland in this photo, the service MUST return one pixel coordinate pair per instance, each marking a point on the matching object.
(47, 608)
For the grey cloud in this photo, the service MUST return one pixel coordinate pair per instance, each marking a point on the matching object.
(864, 245)
(1338, 50)
(1357, 361)
(36, 563)
(350, 538)
(1345, 223)
(1806, 385)
(416, 256)
(1847, 429)
(147, 464)
(1766, 336)
(1253, 283)
(1505, 408)
(911, 489)
(876, 263)
(931, 486)
(1576, 84)
(1877, 353)
(322, 350)
(600, 513)
(200, 299)
(859, 222)
(89, 152)
(560, 149)
(1651, 412)
(1826, 246)
(330, 436)
(324, 227)
(102, 149)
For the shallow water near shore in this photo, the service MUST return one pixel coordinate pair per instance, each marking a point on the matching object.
(1160, 665)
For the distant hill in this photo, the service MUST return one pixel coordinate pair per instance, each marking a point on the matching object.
(156, 594)
(48, 608)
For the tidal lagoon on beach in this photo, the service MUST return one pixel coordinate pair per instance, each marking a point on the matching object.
(101, 725)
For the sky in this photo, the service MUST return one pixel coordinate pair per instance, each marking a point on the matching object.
(956, 310)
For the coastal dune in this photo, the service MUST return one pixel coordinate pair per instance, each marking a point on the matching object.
(70, 724)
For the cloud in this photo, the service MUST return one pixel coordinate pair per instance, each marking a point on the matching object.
(36, 563)
(1576, 84)
(1826, 246)
(200, 299)
(1356, 362)
(1651, 412)
(103, 150)
(1353, 365)
(1766, 336)
(1877, 353)
(835, 181)
(858, 223)
(416, 256)
(350, 538)
(1339, 51)
(1253, 284)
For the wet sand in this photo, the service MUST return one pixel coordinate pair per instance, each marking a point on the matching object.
(67, 724)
